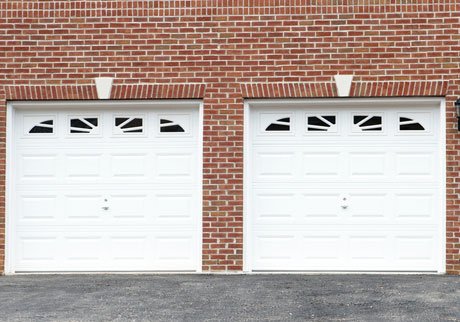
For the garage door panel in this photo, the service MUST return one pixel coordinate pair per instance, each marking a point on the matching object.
(326, 164)
(38, 247)
(175, 167)
(368, 247)
(129, 166)
(295, 207)
(416, 247)
(110, 250)
(84, 166)
(319, 206)
(416, 206)
(317, 248)
(169, 208)
(353, 164)
(276, 249)
(34, 208)
(109, 199)
(173, 250)
(367, 165)
(165, 167)
(349, 250)
(366, 206)
(357, 197)
(38, 168)
(129, 206)
(275, 165)
(415, 165)
(128, 246)
(83, 247)
(174, 208)
(361, 206)
(274, 208)
(82, 208)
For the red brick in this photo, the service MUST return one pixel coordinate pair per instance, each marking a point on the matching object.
(196, 50)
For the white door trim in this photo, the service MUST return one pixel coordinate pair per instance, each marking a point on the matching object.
(343, 103)
(87, 105)
(9, 188)
(199, 261)
(247, 264)
(443, 190)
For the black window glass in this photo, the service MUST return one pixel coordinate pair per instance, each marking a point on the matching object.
(411, 127)
(79, 124)
(375, 120)
(41, 129)
(313, 120)
(172, 128)
(133, 123)
(120, 120)
(277, 127)
(47, 128)
(330, 118)
(358, 118)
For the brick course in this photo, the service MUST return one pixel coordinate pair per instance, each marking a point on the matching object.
(224, 51)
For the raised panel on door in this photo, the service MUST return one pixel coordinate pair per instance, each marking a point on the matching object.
(274, 250)
(174, 167)
(173, 250)
(83, 166)
(38, 167)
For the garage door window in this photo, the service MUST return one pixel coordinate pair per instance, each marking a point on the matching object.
(321, 123)
(365, 123)
(84, 125)
(125, 125)
(168, 126)
(46, 126)
(408, 124)
(280, 125)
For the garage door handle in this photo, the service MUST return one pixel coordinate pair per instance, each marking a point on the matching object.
(105, 208)
(344, 203)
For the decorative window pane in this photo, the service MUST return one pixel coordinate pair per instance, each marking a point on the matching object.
(168, 126)
(83, 125)
(408, 124)
(321, 123)
(366, 123)
(129, 125)
(280, 125)
(43, 127)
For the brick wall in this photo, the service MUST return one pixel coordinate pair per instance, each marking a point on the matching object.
(224, 51)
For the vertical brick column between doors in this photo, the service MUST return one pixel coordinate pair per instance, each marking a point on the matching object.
(452, 181)
(223, 178)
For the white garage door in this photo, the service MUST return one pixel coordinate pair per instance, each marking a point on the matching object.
(106, 189)
(352, 188)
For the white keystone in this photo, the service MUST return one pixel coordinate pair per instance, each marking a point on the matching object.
(104, 87)
(343, 84)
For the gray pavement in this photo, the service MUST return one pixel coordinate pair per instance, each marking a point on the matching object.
(229, 298)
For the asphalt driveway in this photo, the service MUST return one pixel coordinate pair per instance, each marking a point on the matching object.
(230, 298)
